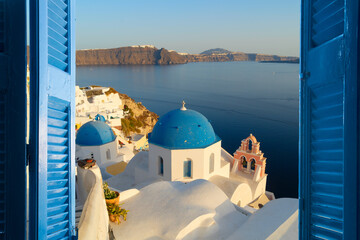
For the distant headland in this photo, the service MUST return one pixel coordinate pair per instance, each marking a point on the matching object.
(150, 55)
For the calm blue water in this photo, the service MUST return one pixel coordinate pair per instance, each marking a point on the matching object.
(238, 98)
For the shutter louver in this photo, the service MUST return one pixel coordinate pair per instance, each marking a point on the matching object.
(2, 164)
(58, 33)
(327, 20)
(2, 26)
(58, 200)
(326, 187)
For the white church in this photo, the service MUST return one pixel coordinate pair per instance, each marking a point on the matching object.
(183, 146)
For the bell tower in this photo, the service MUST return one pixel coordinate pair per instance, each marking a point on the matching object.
(249, 159)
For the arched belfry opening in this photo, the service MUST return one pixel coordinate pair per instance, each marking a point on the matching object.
(253, 163)
(250, 144)
(243, 162)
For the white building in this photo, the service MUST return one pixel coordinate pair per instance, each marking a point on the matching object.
(184, 147)
(91, 101)
(96, 139)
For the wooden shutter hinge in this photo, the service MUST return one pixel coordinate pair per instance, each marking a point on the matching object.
(304, 75)
(74, 233)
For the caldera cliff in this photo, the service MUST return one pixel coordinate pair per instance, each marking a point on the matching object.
(150, 55)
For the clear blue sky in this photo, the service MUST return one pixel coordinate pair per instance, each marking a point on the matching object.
(262, 26)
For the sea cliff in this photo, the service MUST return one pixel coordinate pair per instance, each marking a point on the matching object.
(149, 55)
(128, 55)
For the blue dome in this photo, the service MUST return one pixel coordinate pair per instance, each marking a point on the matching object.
(183, 129)
(94, 133)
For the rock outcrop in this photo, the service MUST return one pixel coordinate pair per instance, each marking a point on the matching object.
(128, 55)
(147, 118)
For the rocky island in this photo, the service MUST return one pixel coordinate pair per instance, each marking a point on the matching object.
(150, 55)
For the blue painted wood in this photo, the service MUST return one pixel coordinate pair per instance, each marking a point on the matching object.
(52, 134)
(12, 119)
(329, 133)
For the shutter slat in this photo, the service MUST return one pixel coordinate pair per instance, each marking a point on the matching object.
(58, 170)
(57, 218)
(57, 157)
(56, 18)
(327, 211)
(326, 188)
(59, 55)
(60, 11)
(56, 140)
(328, 143)
(57, 45)
(60, 209)
(57, 114)
(53, 167)
(58, 34)
(57, 63)
(54, 184)
(53, 149)
(57, 131)
(57, 193)
(58, 104)
(57, 28)
(59, 235)
(325, 233)
(57, 123)
(328, 199)
(58, 175)
(327, 20)
(57, 200)
(326, 166)
(57, 227)
(61, 4)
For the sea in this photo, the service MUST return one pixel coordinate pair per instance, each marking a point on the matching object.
(238, 98)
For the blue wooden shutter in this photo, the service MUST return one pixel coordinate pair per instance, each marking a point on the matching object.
(328, 120)
(12, 119)
(53, 127)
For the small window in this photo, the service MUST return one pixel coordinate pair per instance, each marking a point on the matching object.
(211, 163)
(108, 154)
(188, 168)
(250, 145)
(161, 166)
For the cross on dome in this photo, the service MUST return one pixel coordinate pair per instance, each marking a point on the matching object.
(183, 108)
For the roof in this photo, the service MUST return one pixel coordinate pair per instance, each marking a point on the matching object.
(94, 133)
(137, 137)
(183, 129)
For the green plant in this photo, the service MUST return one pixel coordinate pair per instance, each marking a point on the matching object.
(108, 193)
(115, 211)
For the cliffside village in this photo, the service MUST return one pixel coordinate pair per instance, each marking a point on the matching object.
(182, 148)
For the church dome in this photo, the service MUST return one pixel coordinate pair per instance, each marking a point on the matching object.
(94, 133)
(183, 129)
